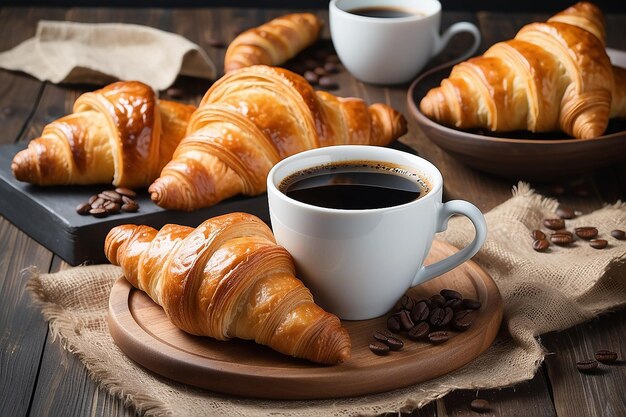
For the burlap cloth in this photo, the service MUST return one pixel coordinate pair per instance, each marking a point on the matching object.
(99, 53)
(542, 292)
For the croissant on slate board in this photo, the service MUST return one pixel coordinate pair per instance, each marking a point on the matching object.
(274, 42)
(552, 76)
(120, 134)
(252, 118)
(228, 278)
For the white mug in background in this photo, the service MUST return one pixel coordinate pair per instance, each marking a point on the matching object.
(359, 262)
(392, 50)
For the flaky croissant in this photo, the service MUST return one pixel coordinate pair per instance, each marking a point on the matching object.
(274, 42)
(120, 134)
(552, 76)
(226, 279)
(252, 118)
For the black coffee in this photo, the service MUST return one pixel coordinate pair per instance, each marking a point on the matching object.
(355, 185)
(382, 11)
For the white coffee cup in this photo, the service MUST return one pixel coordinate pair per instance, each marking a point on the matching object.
(391, 50)
(358, 263)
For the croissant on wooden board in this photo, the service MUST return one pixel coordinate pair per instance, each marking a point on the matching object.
(120, 134)
(552, 76)
(226, 279)
(252, 118)
(274, 42)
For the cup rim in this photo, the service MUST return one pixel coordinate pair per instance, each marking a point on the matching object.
(383, 20)
(435, 179)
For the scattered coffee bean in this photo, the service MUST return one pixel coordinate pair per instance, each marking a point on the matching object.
(126, 192)
(98, 203)
(586, 233)
(310, 64)
(562, 238)
(420, 312)
(98, 212)
(332, 58)
(537, 234)
(606, 356)
(437, 300)
(450, 294)
(311, 77)
(554, 224)
(618, 234)
(541, 245)
(175, 92)
(383, 335)
(407, 302)
(441, 316)
(463, 320)
(111, 196)
(92, 199)
(379, 348)
(112, 207)
(328, 84)
(480, 406)
(405, 320)
(83, 209)
(215, 42)
(565, 213)
(471, 304)
(598, 243)
(454, 304)
(587, 365)
(393, 323)
(130, 207)
(320, 71)
(394, 343)
(438, 337)
(419, 331)
(331, 68)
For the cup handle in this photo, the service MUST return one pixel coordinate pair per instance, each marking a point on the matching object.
(448, 209)
(453, 30)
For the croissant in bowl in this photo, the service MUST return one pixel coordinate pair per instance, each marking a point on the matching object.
(552, 76)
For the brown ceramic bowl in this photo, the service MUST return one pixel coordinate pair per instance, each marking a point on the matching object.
(521, 155)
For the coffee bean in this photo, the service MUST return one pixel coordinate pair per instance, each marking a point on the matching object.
(328, 84)
(98, 212)
(394, 343)
(92, 199)
(98, 203)
(565, 213)
(618, 234)
(407, 302)
(175, 92)
(393, 323)
(320, 71)
(586, 232)
(332, 58)
(463, 320)
(311, 77)
(454, 304)
(112, 207)
(451, 294)
(419, 331)
(440, 317)
(379, 348)
(83, 208)
(111, 196)
(331, 67)
(562, 238)
(437, 300)
(471, 304)
(587, 365)
(215, 42)
(554, 224)
(537, 234)
(130, 207)
(606, 356)
(438, 337)
(480, 406)
(123, 191)
(310, 64)
(598, 243)
(405, 320)
(383, 335)
(541, 245)
(420, 312)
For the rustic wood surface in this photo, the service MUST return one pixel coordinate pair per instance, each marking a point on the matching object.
(39, 378)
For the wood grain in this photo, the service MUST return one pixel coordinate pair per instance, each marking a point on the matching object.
(143, 331)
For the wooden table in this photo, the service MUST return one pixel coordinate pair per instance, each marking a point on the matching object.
(38, 378)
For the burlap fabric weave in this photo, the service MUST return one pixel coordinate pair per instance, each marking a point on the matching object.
(542, 292)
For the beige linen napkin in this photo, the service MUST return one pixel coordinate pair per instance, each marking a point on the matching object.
(542, 292)
(69, 52)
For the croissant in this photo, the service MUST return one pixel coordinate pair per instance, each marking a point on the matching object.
(252, 118)
(120, 134)
(552, 76)
(228, 278)
(274, 42)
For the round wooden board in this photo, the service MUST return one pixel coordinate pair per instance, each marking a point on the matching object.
(142, 330)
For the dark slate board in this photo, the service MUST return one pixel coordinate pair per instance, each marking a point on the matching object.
(48, 215)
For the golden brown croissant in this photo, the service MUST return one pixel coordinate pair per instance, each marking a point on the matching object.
(252, 118)
(228, 278)
(274, 42)
(552, 76)
(121, 134)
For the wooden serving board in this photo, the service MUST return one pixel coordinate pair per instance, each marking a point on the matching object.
(243, 368)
